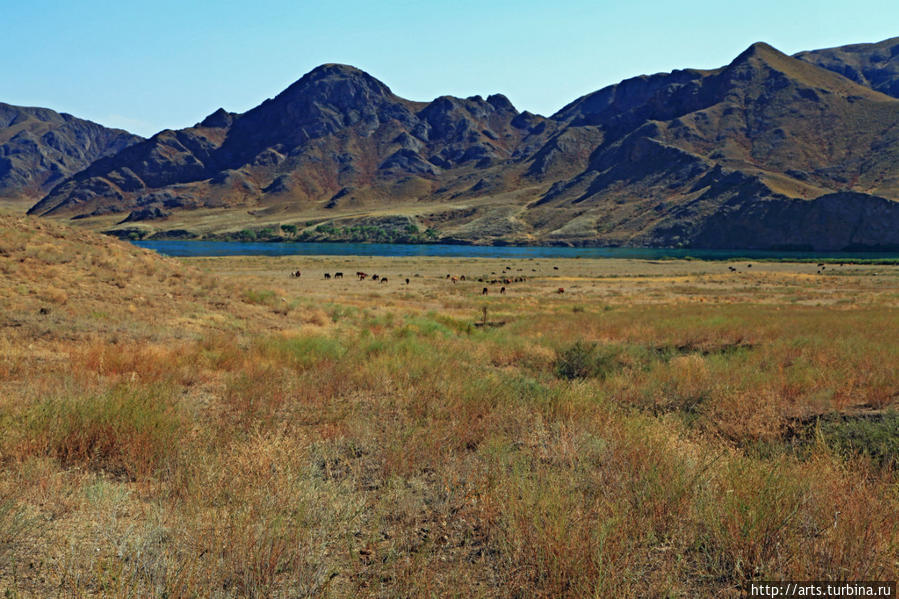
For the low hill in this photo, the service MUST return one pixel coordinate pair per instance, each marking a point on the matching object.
(59, 284)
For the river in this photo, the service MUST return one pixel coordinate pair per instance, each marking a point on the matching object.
(236, 248)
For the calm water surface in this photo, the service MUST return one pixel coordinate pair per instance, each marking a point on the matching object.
(238, 248)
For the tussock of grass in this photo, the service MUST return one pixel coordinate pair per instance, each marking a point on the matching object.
(124, 431)
(874, 437)
(585, 360)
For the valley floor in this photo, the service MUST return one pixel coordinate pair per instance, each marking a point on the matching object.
(216, 427)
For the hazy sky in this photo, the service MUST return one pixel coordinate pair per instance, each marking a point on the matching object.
(146, 66)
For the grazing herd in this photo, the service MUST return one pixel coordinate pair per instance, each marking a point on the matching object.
(821, 267)
(503, 279)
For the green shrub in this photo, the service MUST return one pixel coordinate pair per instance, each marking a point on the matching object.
(302, 352)
(584, 360)
(876, 438)
(262, 296)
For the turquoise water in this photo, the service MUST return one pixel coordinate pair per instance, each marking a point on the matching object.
(236, 248)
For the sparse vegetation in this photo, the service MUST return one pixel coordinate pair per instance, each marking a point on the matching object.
(375, 233)
(686, 432)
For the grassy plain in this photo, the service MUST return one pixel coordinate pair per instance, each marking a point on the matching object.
(214, 427)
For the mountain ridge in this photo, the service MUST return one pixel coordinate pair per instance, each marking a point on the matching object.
(39, 147)
(652, 160)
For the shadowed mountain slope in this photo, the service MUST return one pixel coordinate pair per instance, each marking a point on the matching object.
(872, 65)
(337, 136)
(768, 151)
(40, 147)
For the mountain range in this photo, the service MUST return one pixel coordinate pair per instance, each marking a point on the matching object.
(40, 148)
(770, 151)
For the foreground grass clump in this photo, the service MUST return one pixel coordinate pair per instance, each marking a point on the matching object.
(122, 431)
(384, 446)
(876, 437)
(584, 360)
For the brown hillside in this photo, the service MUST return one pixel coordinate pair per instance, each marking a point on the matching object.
(59, 284)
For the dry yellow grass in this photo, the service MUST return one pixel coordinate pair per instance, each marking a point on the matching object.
(241, 433)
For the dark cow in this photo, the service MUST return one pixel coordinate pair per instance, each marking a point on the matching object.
(484, 291)
(502, 290)
(407, 281)
(296, 274)
(384, 280)
(561, 290)
(338, 275)
(374, 277)
(327, 275)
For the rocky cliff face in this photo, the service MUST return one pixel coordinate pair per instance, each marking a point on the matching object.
(40, 147)
(768, 151)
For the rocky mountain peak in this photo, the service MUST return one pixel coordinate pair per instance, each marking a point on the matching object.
(218, 119)
(501, 103)
(338, 85)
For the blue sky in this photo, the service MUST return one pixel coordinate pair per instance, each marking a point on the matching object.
(147, 66)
